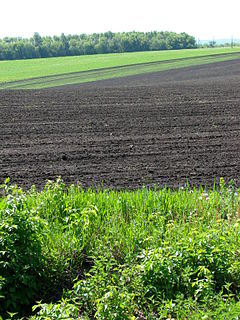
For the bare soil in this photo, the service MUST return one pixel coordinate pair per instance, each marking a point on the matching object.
(155, 129)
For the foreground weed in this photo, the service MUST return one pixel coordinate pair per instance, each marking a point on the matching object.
(147, 254)
(21, 260)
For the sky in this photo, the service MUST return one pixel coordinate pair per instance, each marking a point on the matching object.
(204, 19)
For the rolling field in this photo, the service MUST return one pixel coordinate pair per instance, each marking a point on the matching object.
(153, 129)
(120, 250)
(43, 73)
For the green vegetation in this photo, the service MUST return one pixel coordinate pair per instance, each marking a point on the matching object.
(43, 73)
(25, 69)
(108, 42)
(144, 254)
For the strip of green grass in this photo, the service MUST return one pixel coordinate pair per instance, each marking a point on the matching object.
(25, 69)
(114, 72)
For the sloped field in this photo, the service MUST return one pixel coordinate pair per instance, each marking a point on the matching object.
(53, 72)
(153, 129)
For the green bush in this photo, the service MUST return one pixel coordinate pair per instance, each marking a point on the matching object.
(21, 261)
(103, 293)
(199, 265)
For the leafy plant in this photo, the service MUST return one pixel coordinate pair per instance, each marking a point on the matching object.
(54, 311)
(21, 261)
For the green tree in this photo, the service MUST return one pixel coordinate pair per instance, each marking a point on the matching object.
(37, 39)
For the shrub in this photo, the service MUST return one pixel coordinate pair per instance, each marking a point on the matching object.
(199, 265)
(21, 261)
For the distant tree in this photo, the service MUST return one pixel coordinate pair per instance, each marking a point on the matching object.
(212, 44)
(40, 47)
(101, 45)
(37, 39)
(65, 43)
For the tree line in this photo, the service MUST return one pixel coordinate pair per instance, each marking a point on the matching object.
(108, 42)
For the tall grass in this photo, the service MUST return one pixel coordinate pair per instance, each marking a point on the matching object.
(145, 254)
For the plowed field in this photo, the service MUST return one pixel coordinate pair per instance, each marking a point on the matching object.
(152, 129)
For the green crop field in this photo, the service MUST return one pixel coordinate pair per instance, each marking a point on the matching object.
(145, 254)
(42, 73)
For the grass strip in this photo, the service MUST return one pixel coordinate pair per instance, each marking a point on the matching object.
(114, 72)
(34, 68)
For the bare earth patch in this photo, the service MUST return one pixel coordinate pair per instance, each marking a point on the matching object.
(154, 129)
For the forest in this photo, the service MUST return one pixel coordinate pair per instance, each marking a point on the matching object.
(72, 45)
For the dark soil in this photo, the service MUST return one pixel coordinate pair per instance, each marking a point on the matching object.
(155, 129)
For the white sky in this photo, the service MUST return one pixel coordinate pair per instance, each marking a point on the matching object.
(204, 19)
